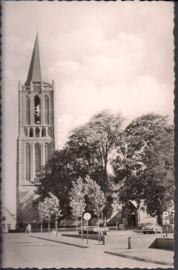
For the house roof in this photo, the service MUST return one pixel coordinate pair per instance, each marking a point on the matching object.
(134, 203)
(37, 71)
(13, 216)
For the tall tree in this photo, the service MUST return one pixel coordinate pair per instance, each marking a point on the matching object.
(57, 177)
(51, 209)
(144, 166)
(96, 196)
(42, 213)
(87, 152)
(77, 199)
(94, 143)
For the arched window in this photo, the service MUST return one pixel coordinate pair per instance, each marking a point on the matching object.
(46, 152)
(46, 103)
(49, 131)
(26, 132)
(28, 161)
(37, 132)
(37, 158)
(31, 132)
(43, 132)
(37, 110)
(27, 109)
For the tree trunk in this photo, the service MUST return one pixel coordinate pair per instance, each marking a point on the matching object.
(104, 222)
(49, 225)
(98, 230)
(56, 222)
(41, 227)
(76, 224)
(105, 165)
(159, 220)
(81, 228)
(126, 214)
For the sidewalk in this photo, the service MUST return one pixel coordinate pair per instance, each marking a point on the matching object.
(77, 242)
(157, 256)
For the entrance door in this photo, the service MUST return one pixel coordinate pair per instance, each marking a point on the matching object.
(131, 220)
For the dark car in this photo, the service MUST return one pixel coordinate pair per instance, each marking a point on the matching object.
(93, 230)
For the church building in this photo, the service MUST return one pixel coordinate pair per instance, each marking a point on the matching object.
(36, 133)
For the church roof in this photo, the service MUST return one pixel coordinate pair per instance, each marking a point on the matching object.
(37, 71)
(4, 208)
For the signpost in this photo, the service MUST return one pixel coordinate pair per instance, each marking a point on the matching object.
(165, 214)
(87, 216)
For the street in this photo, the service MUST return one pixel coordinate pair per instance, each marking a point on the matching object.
(21, 251)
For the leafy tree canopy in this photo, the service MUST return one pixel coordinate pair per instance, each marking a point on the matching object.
(85, 153)
(77, 198)
(144, 166)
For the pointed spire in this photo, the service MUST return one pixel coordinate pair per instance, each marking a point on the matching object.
(37, 70)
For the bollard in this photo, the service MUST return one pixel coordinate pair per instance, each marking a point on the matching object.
(117, 226)
(99, 236)
(129, 243)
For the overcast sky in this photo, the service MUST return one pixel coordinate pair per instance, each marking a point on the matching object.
(115, 55)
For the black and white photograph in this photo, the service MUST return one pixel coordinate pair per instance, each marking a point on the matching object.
(87, 134)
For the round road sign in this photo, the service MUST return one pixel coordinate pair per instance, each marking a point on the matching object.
(165, 214)
(87, 216)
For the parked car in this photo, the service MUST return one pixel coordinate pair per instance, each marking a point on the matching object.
(152, 228)
(93, 230)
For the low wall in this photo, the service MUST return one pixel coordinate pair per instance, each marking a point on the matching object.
(169, 230)
(90, 236)
(137, 241)
(163, 243)
(115, 239)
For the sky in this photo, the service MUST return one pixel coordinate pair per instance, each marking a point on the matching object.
(102, 55)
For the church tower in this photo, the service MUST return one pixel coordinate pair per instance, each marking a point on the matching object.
(36, 133)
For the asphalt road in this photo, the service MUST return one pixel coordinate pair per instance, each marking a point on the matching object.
(21, 251)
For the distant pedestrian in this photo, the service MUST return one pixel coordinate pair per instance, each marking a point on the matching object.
(28, 228)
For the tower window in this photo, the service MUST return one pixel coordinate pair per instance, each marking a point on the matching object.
(31, 132)
(28, 162)
(27, 109)
(37, 158)
(43, 132)
(49, 131)
(46, 101)
(26, 132)
(37, 132)
(37, 110)
(46, 152)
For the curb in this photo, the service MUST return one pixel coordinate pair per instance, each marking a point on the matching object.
(57, 241)
(138, 258)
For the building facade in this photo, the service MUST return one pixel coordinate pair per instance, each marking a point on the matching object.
(8, 220)
(36, 133)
